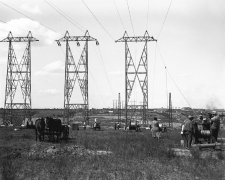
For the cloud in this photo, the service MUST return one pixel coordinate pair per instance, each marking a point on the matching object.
(53, 68)
(33, 10)
(18, 27)
(49, 91)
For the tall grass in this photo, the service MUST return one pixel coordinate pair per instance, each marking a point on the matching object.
(135, 155)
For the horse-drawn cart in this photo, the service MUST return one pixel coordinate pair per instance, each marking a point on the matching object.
(51, 127)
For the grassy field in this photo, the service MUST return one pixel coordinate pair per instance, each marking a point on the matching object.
(125, 155)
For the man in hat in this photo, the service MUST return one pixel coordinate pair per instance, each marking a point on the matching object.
(206, 123)
(195, 133)
(155, 128)
(215, 126)
(187, 131)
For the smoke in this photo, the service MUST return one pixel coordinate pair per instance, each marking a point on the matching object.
(213, 103)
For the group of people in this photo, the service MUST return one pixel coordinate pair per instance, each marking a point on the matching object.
(191, 133)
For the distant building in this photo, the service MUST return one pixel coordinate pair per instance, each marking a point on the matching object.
(186, 109)
(160, 110)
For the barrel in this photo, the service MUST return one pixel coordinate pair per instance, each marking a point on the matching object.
(205, 133)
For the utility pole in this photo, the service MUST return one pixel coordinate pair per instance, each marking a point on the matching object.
(139, 73)
(114, 104)
(119, 109)
(170, 111)
(18, 73)
(75, 72)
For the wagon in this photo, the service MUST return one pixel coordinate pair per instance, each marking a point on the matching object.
(62, 132)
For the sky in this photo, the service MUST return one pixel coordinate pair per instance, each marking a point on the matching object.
(187, 60)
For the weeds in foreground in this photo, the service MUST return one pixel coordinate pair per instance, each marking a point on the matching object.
(134, 156)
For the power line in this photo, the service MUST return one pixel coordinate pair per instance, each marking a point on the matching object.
(63, 14)
(45, 37)
(4, 30)
(164, 20)
(130, 17)
(166, 89)
(26, 16)
(119, 15)
(95, 51)
(97, 88)
(172, 79)
(26, 30)
(97, 20)
(153, 80)
(147, 16)
(105, 71)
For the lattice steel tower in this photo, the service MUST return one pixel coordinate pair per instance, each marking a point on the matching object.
(75, 72)
(170, 111)
(140, 73)
(18, 73)
(119, 108)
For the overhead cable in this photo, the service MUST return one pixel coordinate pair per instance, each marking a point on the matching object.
(63, 14)
(27, 16)
(95, 51)
(164, 20)
(106, 71)
(154, 80)
(119, 15)
(28, 31)
(97, 89)
(147, 16)
(166, 88)
(130, 17)
(25, 30)
(172, 78)
(97, 20)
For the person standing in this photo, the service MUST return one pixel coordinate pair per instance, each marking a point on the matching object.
(195, 133)
(205, 124)
(187, 131)
(155, 128)
(215, 126)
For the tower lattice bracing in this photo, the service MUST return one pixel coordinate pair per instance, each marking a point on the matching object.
(170, 111)
(76, 72)
(18, 73)
(134, 73)
(119, 109)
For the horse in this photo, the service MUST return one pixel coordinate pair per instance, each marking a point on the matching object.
(40, 129)
(54, 127)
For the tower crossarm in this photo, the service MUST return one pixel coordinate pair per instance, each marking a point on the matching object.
(86, 37)
(144, 38)
(10, 38)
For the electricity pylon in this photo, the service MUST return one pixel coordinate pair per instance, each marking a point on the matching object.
(170, 111)
(132, 73)
(18, 73)
(75, 72)
(119, 109)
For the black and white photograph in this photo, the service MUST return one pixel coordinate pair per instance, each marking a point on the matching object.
(112, 89)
